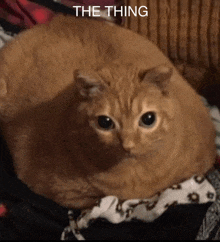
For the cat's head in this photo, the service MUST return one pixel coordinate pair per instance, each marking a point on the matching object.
(129, 108)
(127, 115)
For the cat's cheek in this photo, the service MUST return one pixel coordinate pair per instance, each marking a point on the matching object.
(165, 125)
(106, 137)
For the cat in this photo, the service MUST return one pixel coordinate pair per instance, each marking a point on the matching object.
(90, 109)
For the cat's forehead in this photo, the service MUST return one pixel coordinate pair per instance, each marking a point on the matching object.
(130, 103)
(120, 77)
(126, 94)
(134, 104)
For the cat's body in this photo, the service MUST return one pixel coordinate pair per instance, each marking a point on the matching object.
(61, 82)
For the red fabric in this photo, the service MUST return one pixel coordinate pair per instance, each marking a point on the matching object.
(3, 210)
(26, 14)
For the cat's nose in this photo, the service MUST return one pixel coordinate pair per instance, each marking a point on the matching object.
(128, 145)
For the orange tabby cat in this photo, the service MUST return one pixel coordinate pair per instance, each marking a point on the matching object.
(90, 110)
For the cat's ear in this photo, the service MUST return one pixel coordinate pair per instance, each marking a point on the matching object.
(88, 84)
(159, 76)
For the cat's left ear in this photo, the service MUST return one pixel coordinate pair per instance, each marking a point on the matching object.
(89, 84)
(159, 76)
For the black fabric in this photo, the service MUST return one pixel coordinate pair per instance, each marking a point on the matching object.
(10, 28)
(30, 216)
(178, 223)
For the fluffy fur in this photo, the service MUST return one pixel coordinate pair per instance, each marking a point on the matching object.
(57, 79)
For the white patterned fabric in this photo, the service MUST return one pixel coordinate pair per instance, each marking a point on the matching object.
(4, 37)
(210, 227)
(215, 114)
(196, 190)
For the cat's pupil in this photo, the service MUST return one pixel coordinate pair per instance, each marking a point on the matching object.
(105, 122)
(148, 119)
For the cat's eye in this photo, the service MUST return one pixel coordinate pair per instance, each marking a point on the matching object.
(105, 123)
(148, 119)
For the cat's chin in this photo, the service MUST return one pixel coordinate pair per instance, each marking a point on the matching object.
(135, 155)
(130, 156)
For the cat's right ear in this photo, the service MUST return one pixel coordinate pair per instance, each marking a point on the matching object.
(88, 84)
(159, 76)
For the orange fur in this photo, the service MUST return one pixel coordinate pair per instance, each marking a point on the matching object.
(57, 79)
